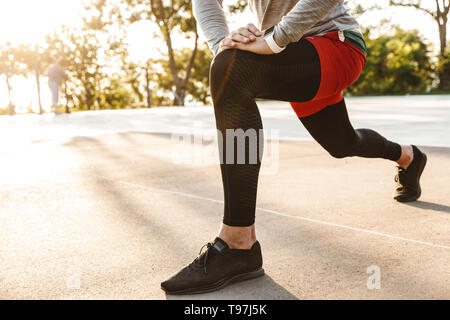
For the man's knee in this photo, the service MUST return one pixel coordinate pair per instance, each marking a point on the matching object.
(339, 153)
(221, 67)
(226, 71)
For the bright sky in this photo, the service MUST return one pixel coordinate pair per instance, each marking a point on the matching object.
(25, 21)
(28, 20)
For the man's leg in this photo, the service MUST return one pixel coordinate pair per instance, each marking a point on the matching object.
(56, 99)
(54, 89)
(237, 78)
(332, 129)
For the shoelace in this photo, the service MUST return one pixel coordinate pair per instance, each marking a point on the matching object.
(401, 173)
(197, 261)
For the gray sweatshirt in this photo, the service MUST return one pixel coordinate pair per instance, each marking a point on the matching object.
(292, 19)
(56, 74)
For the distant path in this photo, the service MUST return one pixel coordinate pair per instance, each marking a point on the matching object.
(423, 120)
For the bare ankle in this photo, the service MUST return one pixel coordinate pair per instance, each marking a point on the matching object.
(238, 237)
(407, 157)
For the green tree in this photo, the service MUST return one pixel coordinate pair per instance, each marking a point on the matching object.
(148, 75)
(35, 60)
(142, 78)
(58, 48)
(118, 74)
(85, 67)
(93, 68)
(238, 6)
(440, 15)
(396, 64)
(172, 18)
(133, 77)
(198, 87)
(444, 68)
(9, 68)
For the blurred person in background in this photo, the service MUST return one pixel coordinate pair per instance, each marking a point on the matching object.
(56, 76)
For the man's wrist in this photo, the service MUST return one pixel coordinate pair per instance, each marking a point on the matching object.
(273, 45)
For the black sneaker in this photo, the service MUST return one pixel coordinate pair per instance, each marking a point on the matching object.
(216, 268)
(408, 180)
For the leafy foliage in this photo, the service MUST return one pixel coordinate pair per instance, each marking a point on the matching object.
(395, 64)
(173, 18)
(101, 74)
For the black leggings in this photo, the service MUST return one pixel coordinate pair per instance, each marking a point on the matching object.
(237, 78)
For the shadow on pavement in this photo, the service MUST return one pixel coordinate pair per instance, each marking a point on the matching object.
(429, 206)
(262, 288)
(117, 160)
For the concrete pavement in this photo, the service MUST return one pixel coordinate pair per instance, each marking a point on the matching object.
(110, 215)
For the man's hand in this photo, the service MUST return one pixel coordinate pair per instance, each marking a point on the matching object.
(244, 35)
(258, 46)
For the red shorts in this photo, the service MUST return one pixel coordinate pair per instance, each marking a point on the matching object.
(341, 64)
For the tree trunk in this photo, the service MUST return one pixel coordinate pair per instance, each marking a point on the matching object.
(87, 98)
(38, 85)
(11, 107)
(179, 94)
(98, 99)
(180, 84)
(87, 95)
(443, 38)
(190, 66)
(147, 88)
(180, 90)
(66, 96)
(159, 13)
(444, 74)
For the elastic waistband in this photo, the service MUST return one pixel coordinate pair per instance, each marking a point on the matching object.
(356, 39)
